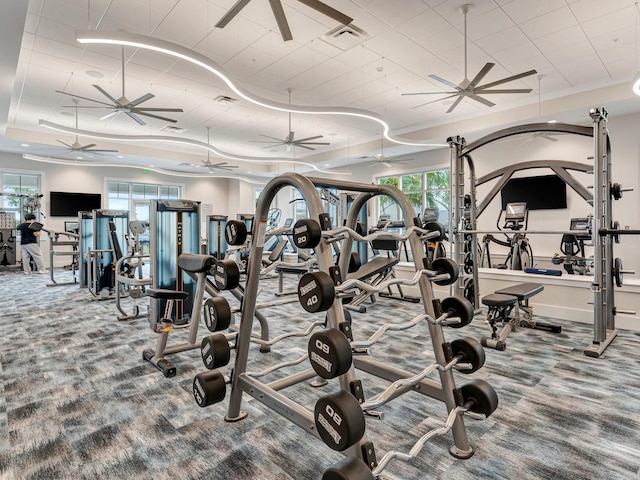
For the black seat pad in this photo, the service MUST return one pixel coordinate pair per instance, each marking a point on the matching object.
(373, 267)
(195, 263)
(166, 294)
(499, 300)
(522, 290)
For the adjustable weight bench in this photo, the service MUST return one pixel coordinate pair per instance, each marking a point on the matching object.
(374, 272)
(505, 301)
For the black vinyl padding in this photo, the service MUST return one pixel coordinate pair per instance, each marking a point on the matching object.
(166, 294)
(499, 300)
(196, 263)
(522, 290)
(373, 267)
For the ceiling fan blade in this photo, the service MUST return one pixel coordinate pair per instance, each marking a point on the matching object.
(506, 90)
(481, 100)
(99, 150)
(157, 109)
(481, 74)
(135, 111)
(308, 138)
(106, 105)
(446, 82)
(454, 104)
(85, 147)
(135, 118)
(301, 145)
(328, 11)
(106, 94)
(65, 144)
(231, 13)
(281, 19)
(141, 99)
(549, 137)
(84, 98)
(110, 115)
(269, 136)
(429, 93)
(300, 142)
(434, 101)
(507, 79)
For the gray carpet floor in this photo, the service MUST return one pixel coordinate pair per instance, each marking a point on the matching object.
(78, 402)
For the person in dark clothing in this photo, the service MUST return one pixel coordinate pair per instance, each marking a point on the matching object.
(29, 245)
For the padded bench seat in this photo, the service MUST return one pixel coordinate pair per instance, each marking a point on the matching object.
(167, 294)
(373, 267)
(195, 263)
(523, 291)
(499, 300)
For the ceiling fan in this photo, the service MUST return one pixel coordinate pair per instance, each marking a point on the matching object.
(77, 147)
(381, 159)
(470, 88)
(216, 166)
(124, 105)
(546, 135)
(289, 140)
(281, 19)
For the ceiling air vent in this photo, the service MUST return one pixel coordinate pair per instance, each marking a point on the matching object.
(173, 129)
(345, 37)
(224, 99)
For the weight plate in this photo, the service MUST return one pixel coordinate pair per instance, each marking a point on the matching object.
(458, 306)
(217, 314)
(435, 227)
(306, 233)
(349, 468)
(615, 225)
(215, 351)
(209, 388)
(226, 274)
(446, 266)
(316, 292)
(482, 395)
(339, 420)
(235, 232)
(330, 353)
(617, 271)
(471, 351)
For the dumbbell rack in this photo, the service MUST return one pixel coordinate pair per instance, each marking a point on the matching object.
(361, 450)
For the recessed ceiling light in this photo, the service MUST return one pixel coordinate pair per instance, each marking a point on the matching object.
(249, 172)
(151, 166)
(94, 74)
(552, 121)
(24, 145)
(120, 156)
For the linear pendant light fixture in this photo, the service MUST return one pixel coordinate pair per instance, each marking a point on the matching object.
(177, 51)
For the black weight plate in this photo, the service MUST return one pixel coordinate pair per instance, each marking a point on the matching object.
(306, 233)
(354, 262)
(329, 353)
(617, 271)
(458, 306)
(471, 351)
(339, 420)
(616, 226)
(226, 274)
(215, 351)
(483, 396)
(217, 314)
(316, 292)
(235, 232)
(209, 388)
(435, 227)
(447, 266)
(349, 468)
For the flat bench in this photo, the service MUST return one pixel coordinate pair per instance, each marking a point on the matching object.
(505, 301)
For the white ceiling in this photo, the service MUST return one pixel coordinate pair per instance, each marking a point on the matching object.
(586, 49)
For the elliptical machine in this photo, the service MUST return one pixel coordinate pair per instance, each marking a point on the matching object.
(573, 258)
(520, 257)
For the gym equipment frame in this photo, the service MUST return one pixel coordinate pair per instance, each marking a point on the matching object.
(604, 330)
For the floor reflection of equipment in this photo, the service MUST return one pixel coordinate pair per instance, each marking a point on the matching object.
(573, 258)
(520, 257)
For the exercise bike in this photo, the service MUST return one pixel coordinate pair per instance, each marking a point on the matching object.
(520, 257)
(573, 257)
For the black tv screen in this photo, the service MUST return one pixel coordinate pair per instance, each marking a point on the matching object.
(68, 204)
(546, 192)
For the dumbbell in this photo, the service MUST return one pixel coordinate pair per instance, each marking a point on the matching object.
(349, 468)
(316, 292)
(435, 227)
(226, 275)
(217, 314)
(235, 232)
(339, 420)
(478, 397)
(330, 353)
(209, 388)
(215, 351)
(306, 233)
(446, 266)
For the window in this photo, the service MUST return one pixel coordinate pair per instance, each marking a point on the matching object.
(424, 190)
(19, 194)
(128, 196)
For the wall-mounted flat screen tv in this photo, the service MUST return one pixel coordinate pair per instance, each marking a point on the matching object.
(68, 204)
(546, 192)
